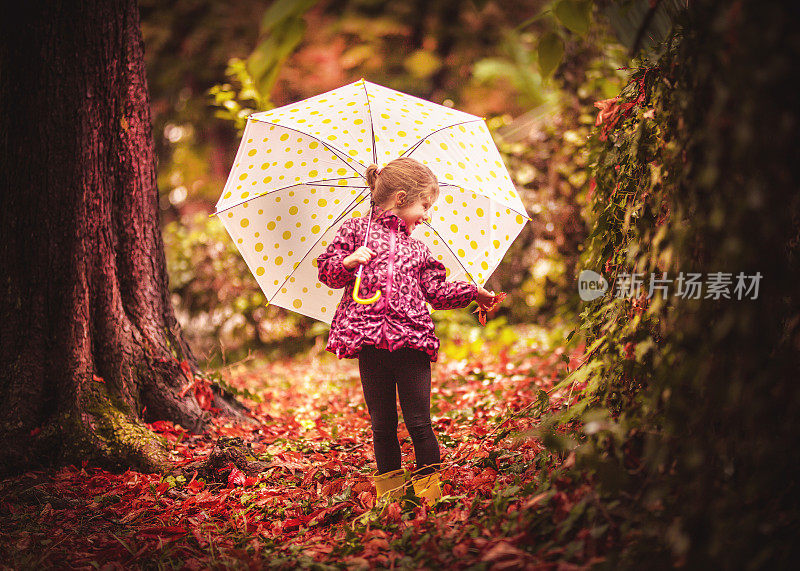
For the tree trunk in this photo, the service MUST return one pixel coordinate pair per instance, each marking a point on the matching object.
(90, 344)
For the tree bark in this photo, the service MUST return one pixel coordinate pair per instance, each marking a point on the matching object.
(90, 344)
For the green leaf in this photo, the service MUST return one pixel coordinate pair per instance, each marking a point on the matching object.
(551, 50)
(489, 69)
(422, 64)
(283, 10)
(575, 15)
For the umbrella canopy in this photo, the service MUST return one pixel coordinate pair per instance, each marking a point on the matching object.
(299, 174)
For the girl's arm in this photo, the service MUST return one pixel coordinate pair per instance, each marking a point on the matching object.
(440, 293)
(332, 271)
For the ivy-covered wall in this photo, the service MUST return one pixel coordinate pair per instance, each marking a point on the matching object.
(691, 413)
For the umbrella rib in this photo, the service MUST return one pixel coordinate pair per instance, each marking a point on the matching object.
(311, 182)
(466, 271)
(323, 143)
(416, 145)
(349, 208)
(371, 125)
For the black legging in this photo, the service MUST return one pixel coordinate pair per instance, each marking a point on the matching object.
(410, 371)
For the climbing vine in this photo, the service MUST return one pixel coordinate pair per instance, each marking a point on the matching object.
(688, 403)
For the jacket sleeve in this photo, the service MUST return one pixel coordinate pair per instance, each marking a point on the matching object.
(440, 293)
(331, 269)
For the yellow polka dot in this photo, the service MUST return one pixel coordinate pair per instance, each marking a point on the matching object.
(519, 219)
(271, 226)
(461, 253)
(444, 146)
(278, 261)
(260, 271)
(448, 176)
(315, 229)
(245, 222)
(243, 176)
(342, 171)
(289, 164)
(313, 145)
(245, 195)
(474, 245)
(293, 210)
(496, 243)
(284, 137)
(479, 212)
(297, 304)
(287, 235)
(322, 202)
(313, 173)
(454, 228)
(259, 247)
(252, 153)
(484, 265)
(449, 199)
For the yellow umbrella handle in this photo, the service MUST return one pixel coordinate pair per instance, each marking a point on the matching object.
(357, 287)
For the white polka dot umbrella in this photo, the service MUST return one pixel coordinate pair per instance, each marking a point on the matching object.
(299, 173)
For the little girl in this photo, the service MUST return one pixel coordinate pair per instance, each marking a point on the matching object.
(393, 337)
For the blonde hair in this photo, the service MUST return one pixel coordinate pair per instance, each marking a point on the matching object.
(400, 174)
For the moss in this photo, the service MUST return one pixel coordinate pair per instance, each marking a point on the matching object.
(113, 438)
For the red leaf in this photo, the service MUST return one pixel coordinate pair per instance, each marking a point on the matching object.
(195, 486)
(185, 389)
(166, 530)
(236, 478)
(97, 379)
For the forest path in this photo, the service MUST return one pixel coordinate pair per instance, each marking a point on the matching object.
(507, 500)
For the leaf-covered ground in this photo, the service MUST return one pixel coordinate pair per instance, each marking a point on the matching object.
(508, 502)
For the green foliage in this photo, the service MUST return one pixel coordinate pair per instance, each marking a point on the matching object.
(235, 101)
(550, 51)
(546, 41)
(282, 29)
(576, 15)
(461, 340)
(219, 300)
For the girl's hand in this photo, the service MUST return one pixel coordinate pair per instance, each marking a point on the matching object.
(360, 256)
(485, 298)
(487, 301)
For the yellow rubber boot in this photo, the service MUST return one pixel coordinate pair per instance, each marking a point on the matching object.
(427, 486)
(390, 484)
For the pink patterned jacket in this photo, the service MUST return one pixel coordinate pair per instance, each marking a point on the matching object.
(407, 274)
